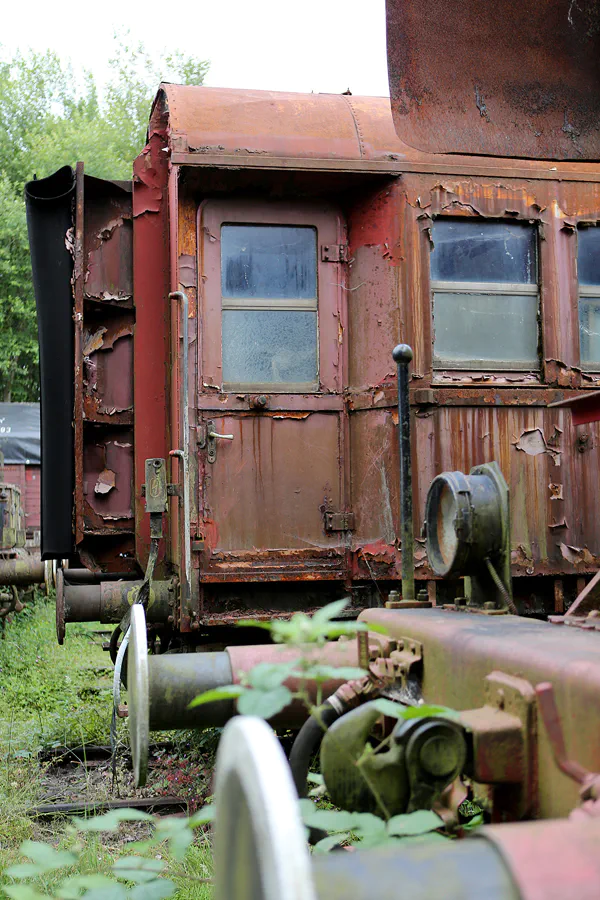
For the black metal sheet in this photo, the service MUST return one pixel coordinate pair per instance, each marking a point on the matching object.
(49, 220)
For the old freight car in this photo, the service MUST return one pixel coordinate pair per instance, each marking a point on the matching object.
(308, 240)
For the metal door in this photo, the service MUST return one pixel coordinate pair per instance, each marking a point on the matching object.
(272, 445)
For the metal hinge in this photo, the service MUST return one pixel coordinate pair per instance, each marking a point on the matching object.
(337, 521)
(334, 252)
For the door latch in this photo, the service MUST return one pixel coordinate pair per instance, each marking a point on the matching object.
(212, 437)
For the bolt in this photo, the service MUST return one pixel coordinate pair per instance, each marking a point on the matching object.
(171, 619)
(489, 604)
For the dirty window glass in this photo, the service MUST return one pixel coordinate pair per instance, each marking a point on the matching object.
(267, 347)
(485, 294)
(268, 261)
(588, 271)
(269, 300)
(470, 250)
(588, 256)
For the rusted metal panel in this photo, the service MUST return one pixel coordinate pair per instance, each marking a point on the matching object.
(108, 481)
(507, 79)
(271, 486)
(584, 409)
(103, 372)
(151, 269)
(554, 522)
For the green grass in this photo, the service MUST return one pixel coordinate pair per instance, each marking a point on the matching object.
(52, 696)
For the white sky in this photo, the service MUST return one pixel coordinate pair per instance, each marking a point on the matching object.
(308, 45)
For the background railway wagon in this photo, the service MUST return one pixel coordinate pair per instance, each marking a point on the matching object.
(20, 445)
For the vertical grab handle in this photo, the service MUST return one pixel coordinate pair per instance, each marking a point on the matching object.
(184, 452)
(402, 355)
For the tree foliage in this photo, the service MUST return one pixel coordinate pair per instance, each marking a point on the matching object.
(49, 117)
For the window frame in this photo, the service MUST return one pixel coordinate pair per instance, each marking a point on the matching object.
(493, 288)
(267, 304)
(329, 227)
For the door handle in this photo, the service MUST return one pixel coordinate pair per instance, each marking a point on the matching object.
(212, 437)
(224, 437)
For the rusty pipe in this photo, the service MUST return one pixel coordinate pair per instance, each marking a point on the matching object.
(175, 679)
(108, 602)
(21, 571)
(160, 688)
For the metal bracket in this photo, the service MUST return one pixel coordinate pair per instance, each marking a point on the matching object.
(339, 521)
(334, 252)
(173, 490)
(407, 655)
(155, 489)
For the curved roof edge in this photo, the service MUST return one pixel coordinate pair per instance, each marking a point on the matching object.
(215, 126)
(243, 123)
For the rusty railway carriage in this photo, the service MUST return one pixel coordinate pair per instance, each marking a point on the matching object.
(229, 318)
(308, 240)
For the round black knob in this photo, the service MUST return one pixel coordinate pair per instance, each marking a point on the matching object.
(402, 354)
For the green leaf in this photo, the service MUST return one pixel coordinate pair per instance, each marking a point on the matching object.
(178, 834)
(111, 820)
(336, 820)
(111, 891)
(155, 890)
(330, 611)
(400, 711)
(315, 778)
(46, 856)
(202, 816)
(225, 692)
(419, 822)
(137, 868)
(389, 708)
(268, 676)
(327, 673)
(331, 841)
(474, 823)
(253, 623)
(264, 704)
(23, 892)
(71, 888)
(25, 870)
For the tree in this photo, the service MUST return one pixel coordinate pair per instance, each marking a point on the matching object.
(50, 118)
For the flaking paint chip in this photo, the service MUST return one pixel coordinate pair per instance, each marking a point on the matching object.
(106, 482)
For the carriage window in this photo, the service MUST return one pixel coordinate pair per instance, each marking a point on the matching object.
(269, 301)
(588, 270)
(485, 294)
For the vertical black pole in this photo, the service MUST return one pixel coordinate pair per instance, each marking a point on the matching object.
(402, 356)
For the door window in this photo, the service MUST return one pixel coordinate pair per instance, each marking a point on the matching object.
(269, 297)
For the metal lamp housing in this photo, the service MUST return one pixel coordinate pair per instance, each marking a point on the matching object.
(467, 520)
